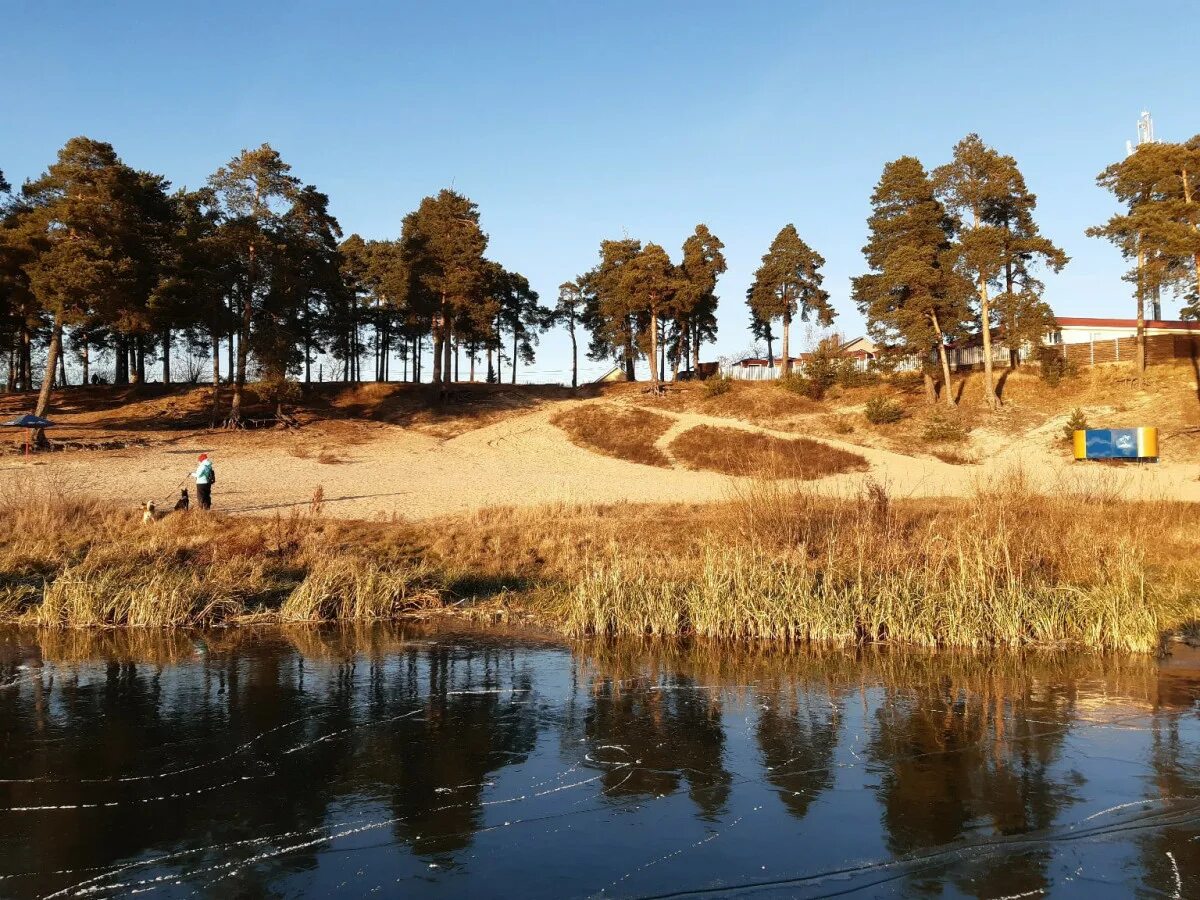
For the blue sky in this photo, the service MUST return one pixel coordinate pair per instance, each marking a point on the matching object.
(569, 123)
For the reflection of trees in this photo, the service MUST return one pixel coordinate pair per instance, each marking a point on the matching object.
(797, 734)
(670, 732)
(126, 718)
(1175, 760)
(970, 757)
(437, 764)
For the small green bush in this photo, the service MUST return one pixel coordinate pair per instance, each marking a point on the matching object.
(850, 375)
(840, 424)
(883, 410)
(908, 382)
(940, 430)
(1053, 366)
(1077, 422)
(715, 387)
(802, 385)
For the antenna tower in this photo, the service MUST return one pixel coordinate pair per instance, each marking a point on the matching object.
(1145, 130)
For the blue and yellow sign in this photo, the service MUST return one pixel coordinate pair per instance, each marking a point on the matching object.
(1117, 443)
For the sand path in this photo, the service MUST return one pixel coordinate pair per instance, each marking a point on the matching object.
(391, 471)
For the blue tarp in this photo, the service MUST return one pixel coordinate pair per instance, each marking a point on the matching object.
(29, 422)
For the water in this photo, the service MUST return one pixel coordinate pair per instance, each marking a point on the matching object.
(424, 763)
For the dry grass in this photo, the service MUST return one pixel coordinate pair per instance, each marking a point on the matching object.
(628, 434)
(66, 560)
(733, 451)
(1007, 567)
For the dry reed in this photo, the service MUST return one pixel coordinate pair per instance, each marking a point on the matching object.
(1008, 567)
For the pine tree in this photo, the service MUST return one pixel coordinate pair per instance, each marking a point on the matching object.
(789, 282)
(997, 242)
(610, 310)
(253, 189)
(568, 311)
(521, 316)
(1160, 228)
(194, 280)
(650, 281)
(695, 319)
(443, 249)
(913, 299)
(101, 233)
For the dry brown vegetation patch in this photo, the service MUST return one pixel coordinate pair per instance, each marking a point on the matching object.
(625, 433)
(733, 451)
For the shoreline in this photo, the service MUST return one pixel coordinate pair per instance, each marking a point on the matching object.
(1009, 568)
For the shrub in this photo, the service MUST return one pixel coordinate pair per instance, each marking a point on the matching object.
(850, 375)
(1053, 366)
(840, 424)
(883, 410)
(1077, 422)
(940, 430)
(715, 387)
(802, 385)
(909, 382)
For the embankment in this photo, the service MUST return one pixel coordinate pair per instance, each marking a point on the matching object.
(1006, 567)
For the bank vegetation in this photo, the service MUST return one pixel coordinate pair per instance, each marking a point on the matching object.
(1007, 567)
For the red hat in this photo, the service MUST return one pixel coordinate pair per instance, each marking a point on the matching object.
(203, 457)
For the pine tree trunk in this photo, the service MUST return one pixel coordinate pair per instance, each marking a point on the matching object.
(630, 372)
(514, 357)
(243, 356)
(985, 328)
(43, 401)
(696, 349)
(784, 349)
(26, 360)
(654, 348)
(85, 359)
(574, 357)
(945, 361)
(229, 366)
(930, 389)
(770, 351)
(447, 349)
(439, 336)
(62, 368)
(1141, 311)
(166, 364)
(216, 361)
(456, 360)
(662, 353)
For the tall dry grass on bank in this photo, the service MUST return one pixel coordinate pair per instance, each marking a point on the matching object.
(1010, 567)
(67, 560)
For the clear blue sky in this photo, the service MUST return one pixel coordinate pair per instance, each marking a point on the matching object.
(568, 123)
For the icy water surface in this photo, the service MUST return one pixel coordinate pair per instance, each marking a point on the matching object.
(425, 763)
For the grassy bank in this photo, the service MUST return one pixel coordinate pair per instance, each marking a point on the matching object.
(1008, 567)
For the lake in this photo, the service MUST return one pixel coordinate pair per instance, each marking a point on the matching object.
(424, 762)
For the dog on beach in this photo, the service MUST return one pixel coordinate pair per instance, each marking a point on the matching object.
(182, 504)
(148, 516)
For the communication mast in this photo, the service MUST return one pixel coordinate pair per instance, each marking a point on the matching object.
(1145, 131)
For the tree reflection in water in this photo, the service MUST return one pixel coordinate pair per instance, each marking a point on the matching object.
(278, 762)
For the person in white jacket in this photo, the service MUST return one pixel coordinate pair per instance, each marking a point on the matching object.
(205, 479)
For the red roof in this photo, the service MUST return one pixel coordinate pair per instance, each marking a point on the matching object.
(1085, 322)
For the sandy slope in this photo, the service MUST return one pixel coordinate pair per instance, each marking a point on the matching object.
(387, 470)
